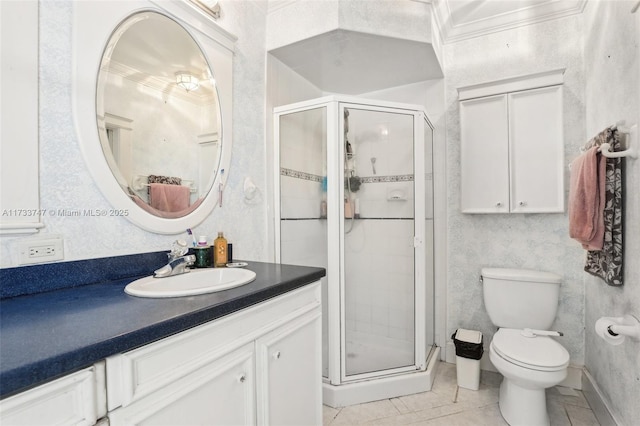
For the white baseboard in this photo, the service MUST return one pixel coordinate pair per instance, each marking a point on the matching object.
(596, 401)
(574, 372)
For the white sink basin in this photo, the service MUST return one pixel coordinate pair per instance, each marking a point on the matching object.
(198, 281)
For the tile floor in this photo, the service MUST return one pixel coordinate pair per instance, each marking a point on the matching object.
(567, 407)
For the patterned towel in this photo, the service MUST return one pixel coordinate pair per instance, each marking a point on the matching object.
(607, 263)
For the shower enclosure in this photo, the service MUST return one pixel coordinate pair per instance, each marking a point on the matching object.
(354, 194)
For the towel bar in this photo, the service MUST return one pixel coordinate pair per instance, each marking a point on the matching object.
(633, 141)
(139, 182)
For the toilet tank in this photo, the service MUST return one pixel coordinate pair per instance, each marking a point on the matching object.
(521, 298)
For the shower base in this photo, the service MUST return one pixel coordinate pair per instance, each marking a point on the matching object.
(384, 387)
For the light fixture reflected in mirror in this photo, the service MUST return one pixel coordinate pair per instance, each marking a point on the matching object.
(187, 81)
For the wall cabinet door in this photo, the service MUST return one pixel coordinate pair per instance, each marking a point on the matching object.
(484, 155)
(536, 150)
(512, 152)
(221, 393)
(19, 189)
(290, 373)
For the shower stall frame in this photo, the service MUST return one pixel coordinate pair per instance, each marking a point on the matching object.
(339, 389)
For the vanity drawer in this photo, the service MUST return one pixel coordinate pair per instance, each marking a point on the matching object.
(77, 399)
(135, 374)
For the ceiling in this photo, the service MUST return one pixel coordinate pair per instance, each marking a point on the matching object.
(351, 63)
(151, 48)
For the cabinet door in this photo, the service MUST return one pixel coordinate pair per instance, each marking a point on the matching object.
(536, 150)
(290, 373)
(19, 189)
(220, 393)
(484, 156)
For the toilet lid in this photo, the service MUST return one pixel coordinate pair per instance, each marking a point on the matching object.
(536, 353)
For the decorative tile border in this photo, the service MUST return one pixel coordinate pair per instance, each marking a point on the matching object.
(385, 179)
(365, 179)
(300, 175)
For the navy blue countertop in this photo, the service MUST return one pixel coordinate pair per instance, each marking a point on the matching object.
(47, 335)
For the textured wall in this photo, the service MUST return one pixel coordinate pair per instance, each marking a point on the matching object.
(532, 241)
(66, 183)
(612, 80)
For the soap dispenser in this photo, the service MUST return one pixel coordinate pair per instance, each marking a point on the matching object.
(220, 251)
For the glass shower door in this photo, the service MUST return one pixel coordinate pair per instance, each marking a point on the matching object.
(302, 137)
(378, 227)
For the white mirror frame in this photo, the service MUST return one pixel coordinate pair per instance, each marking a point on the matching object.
(94, 22)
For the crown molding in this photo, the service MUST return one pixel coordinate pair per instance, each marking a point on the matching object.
(452, 31)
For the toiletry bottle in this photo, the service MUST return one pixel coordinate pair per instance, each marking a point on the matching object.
(323, 201)
(348, 208)
(220, 251)
(203, 253)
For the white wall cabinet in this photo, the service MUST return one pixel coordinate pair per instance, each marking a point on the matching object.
(76, 399)
(259, 366)
(19, 191)
(512, 148)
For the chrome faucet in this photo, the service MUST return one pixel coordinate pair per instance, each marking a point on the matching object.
(179, 261)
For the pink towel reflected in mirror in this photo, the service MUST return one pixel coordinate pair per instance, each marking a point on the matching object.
(168, 198)
(168, 215)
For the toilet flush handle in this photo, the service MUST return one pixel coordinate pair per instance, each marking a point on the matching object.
(529, 332)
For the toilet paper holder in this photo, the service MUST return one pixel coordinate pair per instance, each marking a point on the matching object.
(627, 325)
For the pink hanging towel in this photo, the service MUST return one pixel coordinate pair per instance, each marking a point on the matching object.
(586, 199)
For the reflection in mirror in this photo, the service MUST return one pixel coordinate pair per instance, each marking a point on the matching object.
(158, 115)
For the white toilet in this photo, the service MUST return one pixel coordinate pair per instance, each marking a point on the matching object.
(523, 304)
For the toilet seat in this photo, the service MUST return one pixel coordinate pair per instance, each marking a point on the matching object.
(540, 353)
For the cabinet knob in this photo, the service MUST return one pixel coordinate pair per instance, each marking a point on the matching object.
(276, 355)
(522, 203)
(499, 204)
(242, 378)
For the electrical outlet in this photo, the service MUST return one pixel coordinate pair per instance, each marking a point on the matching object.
(41, 249)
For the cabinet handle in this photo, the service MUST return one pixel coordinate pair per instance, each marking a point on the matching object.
(499, 204)
(276, 355)
(242, 378)
(522, 203)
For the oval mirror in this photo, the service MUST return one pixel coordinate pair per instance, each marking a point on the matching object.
(158, 115)
(150, 117)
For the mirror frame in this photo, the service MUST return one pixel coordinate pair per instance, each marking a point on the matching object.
(94, 23)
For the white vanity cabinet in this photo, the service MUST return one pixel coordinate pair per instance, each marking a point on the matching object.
(512, 146)
(261, 365)
(75, 399)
